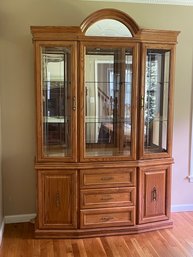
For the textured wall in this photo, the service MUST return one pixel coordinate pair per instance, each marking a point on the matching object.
(17, 87)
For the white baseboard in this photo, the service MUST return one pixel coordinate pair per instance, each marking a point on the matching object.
(30, 217)
(1, 231)
(19, 218)
(182, 207)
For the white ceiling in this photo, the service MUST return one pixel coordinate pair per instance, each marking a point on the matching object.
(172, 2)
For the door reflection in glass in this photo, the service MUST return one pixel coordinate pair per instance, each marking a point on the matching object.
(108, 86)
(157, 82)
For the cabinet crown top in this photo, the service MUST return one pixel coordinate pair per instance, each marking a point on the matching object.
(105, 23)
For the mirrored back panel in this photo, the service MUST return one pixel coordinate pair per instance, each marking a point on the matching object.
(56, 92)
(108, 89)
(157, 82)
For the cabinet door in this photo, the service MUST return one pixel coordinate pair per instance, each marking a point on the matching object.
(108, 101)
(154, 194)
(56, 100)
(57, 199)
(156, 101)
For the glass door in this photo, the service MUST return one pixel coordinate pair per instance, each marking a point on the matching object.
(109, 113)
(58, 102)
(155, 105)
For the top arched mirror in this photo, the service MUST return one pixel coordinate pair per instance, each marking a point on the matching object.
(109, 23)
(108, 28)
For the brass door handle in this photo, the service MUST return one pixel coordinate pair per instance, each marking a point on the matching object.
(154, 194)
(74, 103)
(57, 199)
(142, 102)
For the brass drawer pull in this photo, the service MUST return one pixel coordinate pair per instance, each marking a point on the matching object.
(107, 178)
(106, 198)
(106, 218)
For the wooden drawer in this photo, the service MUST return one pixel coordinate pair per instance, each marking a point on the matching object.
(124, 216)
(107, 177)
(111, 197)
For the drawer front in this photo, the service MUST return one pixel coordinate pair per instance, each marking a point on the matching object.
(111, 197)
(108, 177)
(107, 217)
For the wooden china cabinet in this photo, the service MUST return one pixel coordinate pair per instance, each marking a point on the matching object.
(104, 96)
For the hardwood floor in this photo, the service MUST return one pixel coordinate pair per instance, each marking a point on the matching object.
(18, 241)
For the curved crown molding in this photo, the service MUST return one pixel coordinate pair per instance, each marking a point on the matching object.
(110, 14)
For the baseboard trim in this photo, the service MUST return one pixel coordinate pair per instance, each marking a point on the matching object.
(182, 207)
(30, 217)
(1, 231)
(19, 218)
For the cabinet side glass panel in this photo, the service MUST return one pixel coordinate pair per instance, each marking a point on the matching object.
(156, 100)
(108, 89)
(56, 91)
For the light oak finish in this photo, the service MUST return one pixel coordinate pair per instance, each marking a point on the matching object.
(57, 199)
(108, 197)
(105, 193)
(172, 50)
(109, 43)
(107, 177)
(18, 240)
(106, 217)
(154, 193)
(97, 194)
(39, 103)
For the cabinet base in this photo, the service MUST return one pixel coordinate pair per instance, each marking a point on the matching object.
(84, 233)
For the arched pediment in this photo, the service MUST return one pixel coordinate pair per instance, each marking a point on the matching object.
(109, 22)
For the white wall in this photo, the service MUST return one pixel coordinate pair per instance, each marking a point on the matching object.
(17, 87)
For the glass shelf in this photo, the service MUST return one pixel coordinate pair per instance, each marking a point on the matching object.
(56, 98)
(108, 90)
(156, 100)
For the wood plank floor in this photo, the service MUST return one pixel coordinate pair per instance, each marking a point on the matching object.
(18, 241)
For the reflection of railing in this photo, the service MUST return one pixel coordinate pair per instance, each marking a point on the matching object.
(103, 93)
(55, 119)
